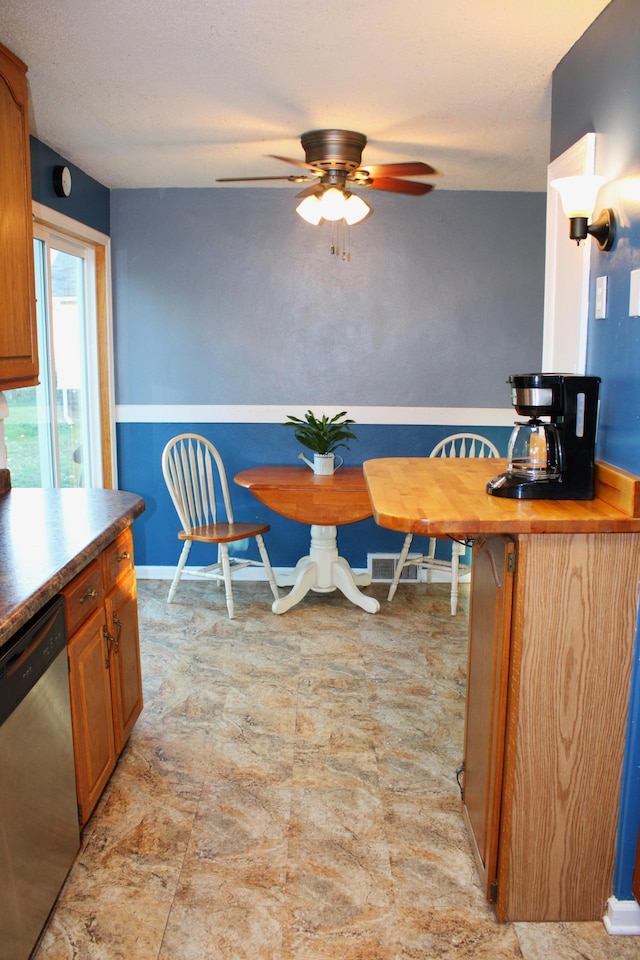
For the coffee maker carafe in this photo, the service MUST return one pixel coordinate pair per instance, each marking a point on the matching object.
(534, 451)
(551, 459)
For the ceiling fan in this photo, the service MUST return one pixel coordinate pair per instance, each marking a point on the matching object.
(334, 159)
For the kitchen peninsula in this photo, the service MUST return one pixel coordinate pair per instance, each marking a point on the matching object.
(78, 543)
(552, 622)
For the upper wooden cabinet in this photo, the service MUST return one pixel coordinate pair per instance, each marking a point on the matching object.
(18, 340)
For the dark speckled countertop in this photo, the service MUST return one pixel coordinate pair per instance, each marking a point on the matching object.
(47, 537)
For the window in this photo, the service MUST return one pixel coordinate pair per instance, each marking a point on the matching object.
(55, 432)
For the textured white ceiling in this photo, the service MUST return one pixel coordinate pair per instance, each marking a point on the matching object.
(175, 93)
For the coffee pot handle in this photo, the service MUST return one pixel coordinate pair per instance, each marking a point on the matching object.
(554, 462)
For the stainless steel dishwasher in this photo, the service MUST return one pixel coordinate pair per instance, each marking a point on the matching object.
(39, 832)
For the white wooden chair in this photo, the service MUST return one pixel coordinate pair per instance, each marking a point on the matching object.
(457, 445)
(193, 471)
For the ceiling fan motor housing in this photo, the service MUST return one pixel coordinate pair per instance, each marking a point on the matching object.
(334, 149)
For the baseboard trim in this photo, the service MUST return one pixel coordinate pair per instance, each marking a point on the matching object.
(168, 573)
(622, 918)
(257, 573)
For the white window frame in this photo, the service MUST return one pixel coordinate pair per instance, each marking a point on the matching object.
(102, 410)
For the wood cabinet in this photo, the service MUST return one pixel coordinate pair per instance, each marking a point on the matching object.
(104, 663)
(487, 686)
(18, 339)
(550, 656)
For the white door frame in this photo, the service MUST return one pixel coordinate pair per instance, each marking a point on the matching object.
(567, 268)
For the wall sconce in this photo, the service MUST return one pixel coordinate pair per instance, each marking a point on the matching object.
(578, 196)
(333, 204)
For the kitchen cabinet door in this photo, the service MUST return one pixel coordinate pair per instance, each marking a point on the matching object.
(487, 686)
(18, 340)
(126, 677)
(91, 711)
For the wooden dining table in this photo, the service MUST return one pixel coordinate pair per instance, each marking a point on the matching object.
(325, 503)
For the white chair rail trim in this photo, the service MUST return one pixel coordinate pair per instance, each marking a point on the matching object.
(248, 413)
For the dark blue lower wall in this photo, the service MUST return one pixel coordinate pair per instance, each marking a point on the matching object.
(245, 445)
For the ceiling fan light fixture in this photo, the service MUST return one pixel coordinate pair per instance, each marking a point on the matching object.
(309, 210)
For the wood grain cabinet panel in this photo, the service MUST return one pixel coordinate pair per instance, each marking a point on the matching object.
(18, 338)
(487, 685)
(104, 659)
(91, 712)
(126, 676)
(83, 596)
(543, 755)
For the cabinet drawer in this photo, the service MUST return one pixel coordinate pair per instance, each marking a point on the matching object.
(117, 559)
(83, 596)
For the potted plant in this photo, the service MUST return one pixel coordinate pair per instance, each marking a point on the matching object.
(324, 436)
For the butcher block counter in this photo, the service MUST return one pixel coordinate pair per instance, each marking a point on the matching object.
(552, 624)
(442, 497)
(49, 536)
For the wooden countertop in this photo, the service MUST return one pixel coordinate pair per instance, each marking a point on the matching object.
(441, 497)
(47, 537)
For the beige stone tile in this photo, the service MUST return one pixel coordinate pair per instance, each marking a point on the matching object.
(243, 751)
(336, 814)
(289, 793)
(228, 910)
(118, 896)
(339, 898)
(574, 941)
(239, 820)
(454, 934)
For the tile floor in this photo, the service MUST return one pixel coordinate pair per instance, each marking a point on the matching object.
(289, 793)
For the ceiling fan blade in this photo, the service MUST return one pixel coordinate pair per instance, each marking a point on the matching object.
(413, 168)
(398, 186)
(298, 163)
(291, 179)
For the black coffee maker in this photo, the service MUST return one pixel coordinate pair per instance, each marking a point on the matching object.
(551, 459)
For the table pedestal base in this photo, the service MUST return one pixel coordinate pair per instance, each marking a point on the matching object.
(324, 571)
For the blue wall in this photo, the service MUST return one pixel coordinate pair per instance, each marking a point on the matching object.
(226, 297)
(89, 202)
(596, 88)
(247, 445)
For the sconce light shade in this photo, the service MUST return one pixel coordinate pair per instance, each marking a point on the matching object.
(578, 196)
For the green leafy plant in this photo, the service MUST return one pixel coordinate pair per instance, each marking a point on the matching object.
(322, 435)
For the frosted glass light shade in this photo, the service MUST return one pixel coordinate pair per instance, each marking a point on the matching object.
(309, 210)
(332, 204)
(355, 209)
(578, 194)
